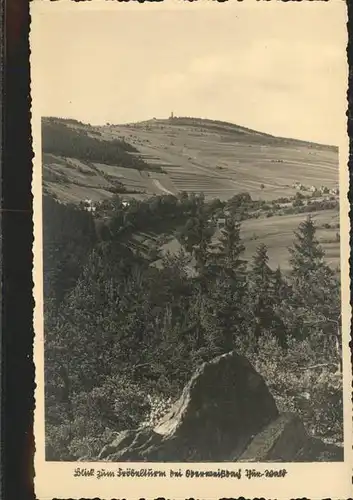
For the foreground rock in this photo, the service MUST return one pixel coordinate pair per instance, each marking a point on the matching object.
(225, 414)
(223, 406)
(286, 440)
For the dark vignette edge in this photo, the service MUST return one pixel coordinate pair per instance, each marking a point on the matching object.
(17, 369)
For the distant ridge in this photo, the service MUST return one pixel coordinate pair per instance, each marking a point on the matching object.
(220, 125)
(172, 155)
(225, 126)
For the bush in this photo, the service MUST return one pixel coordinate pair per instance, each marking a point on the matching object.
(298, 202)
(116, 405)
(123, 337)
(301, 383)
(159, 406)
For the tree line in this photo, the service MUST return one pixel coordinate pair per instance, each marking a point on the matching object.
(118, 328)
(62, 140)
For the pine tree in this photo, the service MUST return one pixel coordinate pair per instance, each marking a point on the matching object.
(315, 302)
(263, 297)
(280, 288)
(227, 311)
(260, 271)
(309, 272)
(307, 256)
(197, 234)
(231, 247)
(68, 237)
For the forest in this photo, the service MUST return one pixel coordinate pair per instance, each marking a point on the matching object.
(123, 335)
(62, 140)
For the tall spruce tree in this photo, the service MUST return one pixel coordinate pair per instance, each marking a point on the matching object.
(311, 277)
(231, 247)
(280, 287)
(196, 235)
(307, 256)
(316, 289)
(68, 237)
(227, 311)
(263, 298)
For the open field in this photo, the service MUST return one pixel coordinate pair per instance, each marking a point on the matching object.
(218, 159)
(277, 233)
(200, 156)
(222, 163)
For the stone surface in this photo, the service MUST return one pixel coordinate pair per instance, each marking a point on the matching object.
(315, 450)
(225, 414)
(224, 405)
(286, 440)
(279, 441)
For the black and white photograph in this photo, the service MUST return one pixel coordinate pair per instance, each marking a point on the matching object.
(192, 240)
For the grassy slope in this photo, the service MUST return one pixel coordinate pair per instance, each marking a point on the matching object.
(216, 158)
(201, 156)
(198, 158)
(277, 233)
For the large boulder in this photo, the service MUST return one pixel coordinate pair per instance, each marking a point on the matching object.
(224, 405)
(225, 414)
(280, 441)
(286, 440)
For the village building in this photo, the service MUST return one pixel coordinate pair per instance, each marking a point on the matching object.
(89, 205)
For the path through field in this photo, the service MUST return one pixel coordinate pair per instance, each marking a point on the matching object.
(162, 188)
(196, 155)
(215, 158)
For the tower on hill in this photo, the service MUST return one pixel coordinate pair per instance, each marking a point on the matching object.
(171, 116)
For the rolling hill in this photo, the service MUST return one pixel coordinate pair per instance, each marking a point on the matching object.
(167, 156)
(277, 233)
(180, 154)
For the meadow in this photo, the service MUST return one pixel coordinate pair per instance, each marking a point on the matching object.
(200, 156)
(217, 161)
(277, 233)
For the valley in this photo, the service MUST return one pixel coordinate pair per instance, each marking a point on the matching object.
(196, 156)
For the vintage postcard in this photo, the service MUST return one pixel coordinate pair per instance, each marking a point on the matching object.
(191, 253)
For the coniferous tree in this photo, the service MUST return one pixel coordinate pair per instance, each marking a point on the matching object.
(196, 235)
(68, 237)
(227, 306)
(311, 277)
(262, 296)
(231, 247)
(315, 298)
(149, 326)
(307, 256)
(280, 287)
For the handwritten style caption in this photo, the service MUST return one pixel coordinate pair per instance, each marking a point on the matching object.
(173, 473)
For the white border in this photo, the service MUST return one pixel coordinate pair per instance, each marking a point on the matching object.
(315, 481)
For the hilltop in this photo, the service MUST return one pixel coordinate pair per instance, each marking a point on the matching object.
(141, 292)
(162, 157)
(167, 156)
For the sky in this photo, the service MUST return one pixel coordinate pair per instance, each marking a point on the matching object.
(278, 67)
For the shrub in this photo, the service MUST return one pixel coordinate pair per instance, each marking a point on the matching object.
(116, 405)
(123, 337)
(159, 405)
(298, 202)
(301, 383)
